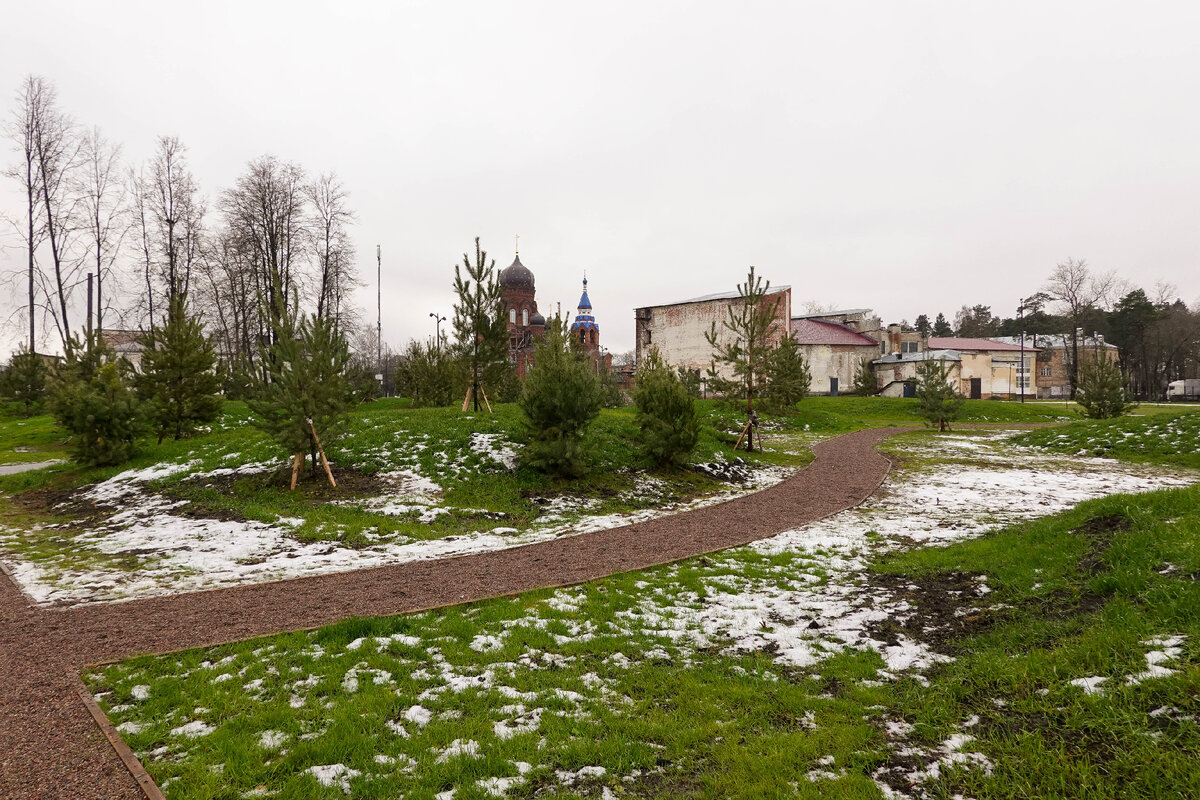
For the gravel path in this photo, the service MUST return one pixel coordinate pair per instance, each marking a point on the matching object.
(51, 748)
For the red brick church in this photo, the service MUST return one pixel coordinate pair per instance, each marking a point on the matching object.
(526, 325)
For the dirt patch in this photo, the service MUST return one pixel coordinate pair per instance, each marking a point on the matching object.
(945, 609)
(1099, 533)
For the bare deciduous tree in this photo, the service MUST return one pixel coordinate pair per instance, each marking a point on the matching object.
(1078, 291)
(101, 210)
(332, 247)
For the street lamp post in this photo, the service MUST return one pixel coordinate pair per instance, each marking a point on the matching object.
(437, 335)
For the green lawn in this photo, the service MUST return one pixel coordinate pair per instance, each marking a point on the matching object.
(607, 686)
(1170, 436)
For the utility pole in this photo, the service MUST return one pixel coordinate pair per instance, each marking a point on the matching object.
(379, 307)
(89, 314)
(1023, 380)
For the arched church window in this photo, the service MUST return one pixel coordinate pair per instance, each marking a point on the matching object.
(525, 316)
(512, 316)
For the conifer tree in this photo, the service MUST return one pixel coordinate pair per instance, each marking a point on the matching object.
(666, 412)
(938, 402)
(25, 380)
(788, 375)
(1102, 389)
(479, 324)
(865, 382)
(742, 344)
(560, 399)
(91, 398)
(306, 380)
(178, 380)
(941, 327)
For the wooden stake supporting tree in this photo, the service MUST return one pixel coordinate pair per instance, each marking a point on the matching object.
(321, 450)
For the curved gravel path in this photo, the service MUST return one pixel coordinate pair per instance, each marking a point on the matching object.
(50, 747)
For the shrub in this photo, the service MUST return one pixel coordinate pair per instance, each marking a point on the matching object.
(560, 399)
(866, 384)
(666, 412)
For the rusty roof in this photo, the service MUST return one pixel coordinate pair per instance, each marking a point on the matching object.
(816, 331)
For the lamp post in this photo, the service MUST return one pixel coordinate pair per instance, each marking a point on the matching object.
(437, 335)
(1023, 374)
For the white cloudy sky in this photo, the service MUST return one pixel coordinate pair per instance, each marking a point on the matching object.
(909, 157)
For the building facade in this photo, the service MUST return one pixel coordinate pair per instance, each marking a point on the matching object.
(833, 351)
(677, 330)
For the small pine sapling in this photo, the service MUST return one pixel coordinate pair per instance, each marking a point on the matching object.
(91, 398)
(666, 412)
(25, 380)
(560, 399)
(1102, 389)
(788, 376)
(938, 403)
(303, 402)
(178, 381)
(866, 384)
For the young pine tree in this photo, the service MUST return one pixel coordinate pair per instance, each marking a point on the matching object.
(666, 412)
(91, 398)
(865, 382)
(479, 324)
(178, 382)
(938, 402)
(306, 380)
(742, 344)
(1102, 389)
(788, 376)
(560, 399)
(25, 380)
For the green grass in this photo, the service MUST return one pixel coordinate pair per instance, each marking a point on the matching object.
(1165, 438)
(30, 439)
(852, 413)
(1072, 596)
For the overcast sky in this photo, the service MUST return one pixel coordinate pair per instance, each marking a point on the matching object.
(907, 157)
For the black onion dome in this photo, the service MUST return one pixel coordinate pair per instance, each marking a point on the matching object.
(516, 274)
(537, 319)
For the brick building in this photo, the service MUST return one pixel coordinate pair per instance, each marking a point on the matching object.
(1051, 360)
(525, 324)
(833, 351)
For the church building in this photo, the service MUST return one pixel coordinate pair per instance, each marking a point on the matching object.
(586, 332)
(525, 324)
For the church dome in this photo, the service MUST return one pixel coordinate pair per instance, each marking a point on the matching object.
(516, 275)
(537, 320)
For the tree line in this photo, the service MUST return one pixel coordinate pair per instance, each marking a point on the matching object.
(274, 244)
(1157, 333)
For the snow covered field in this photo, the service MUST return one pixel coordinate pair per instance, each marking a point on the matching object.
(175, 553)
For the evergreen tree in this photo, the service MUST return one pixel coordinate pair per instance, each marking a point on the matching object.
(866, 384)
(938, 402)
(306, 380)
(1102, 389)
(941, 327)
(25, 380)
(560, 399)
(479, 323)
(432, 376)
(743, 343)
(788, 375)
(923, 325)
(178, 382)
(91, 398)
(690, 380)
(666, 412)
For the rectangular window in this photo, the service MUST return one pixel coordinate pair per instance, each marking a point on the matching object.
(1045, 373)
(910, 347)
